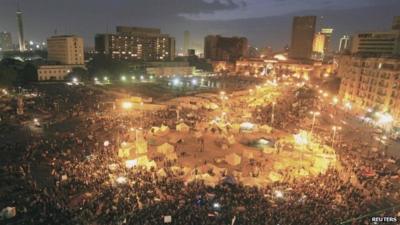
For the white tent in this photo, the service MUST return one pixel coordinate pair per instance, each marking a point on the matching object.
(247, 126)
(233, 159)
(182, 127)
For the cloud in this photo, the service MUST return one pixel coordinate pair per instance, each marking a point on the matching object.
(262, 8)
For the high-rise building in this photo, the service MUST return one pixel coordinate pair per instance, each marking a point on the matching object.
(396, 23)
(327, 32)
(378, 43)
(21, 40)
(186, 41)
(371, 83)
(344, 44)
(136, 44)
(66, 49)
(302, 37)
(319, 43)
(218, 48)
(5, 41)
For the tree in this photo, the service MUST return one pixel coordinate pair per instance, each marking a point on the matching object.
(27, 74)
(8, 76)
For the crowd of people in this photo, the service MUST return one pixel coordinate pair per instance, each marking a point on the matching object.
(69, 175)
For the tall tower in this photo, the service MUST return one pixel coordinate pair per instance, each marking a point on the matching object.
(186, 42)
(302, 37)
(21, 39)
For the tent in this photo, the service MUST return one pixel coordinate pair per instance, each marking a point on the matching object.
(161, 131)
(182, 127)
(266, 129)
(161, 172)
(235, 128)
(145, 162)
(141, 146)
(165, 148)
(247, 126)
(233, 159)
(273, 176)
(168, 151)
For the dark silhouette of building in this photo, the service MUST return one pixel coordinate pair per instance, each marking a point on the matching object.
(136, 44)
(5, 41)
(218, 48)
(302, 37)
(186, 41)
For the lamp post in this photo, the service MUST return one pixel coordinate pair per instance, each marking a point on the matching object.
(314, 114)
(273, 113)
(335, 129)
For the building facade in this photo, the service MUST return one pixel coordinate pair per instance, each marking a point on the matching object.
(327, 32)
(5, 41)
(66, 49)
(55, 72)
(218, 48)
(396, 23)
(186, 41)
(302, 37)
(371, 83)
(319, 43)
(136, 44)
(380, 43)
(344, 44)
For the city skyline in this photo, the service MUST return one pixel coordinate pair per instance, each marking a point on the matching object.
(270, 27)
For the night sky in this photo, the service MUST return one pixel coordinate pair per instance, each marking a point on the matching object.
(264, 22)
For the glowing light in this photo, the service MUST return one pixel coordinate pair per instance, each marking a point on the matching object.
(36, 122)
(384, 118)
(301, 138)
(121, 180)
(279, 194)
(280, 57)
(95, 79)
(123, 78)
(142, 77)
(216, 205)
(335, 128)
(151, 77)
(194, 81)
(133, 78)
(105, 78)
(176, 81)
(335, 100)
(106, 143)
(75, 80)
(127, 105)
(129, 164)
(348, 105)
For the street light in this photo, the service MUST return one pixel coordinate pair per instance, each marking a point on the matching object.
(335, 129)
(314, 114)
(273, 113)
(335, 100)
(127, 105)
(123, 78)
